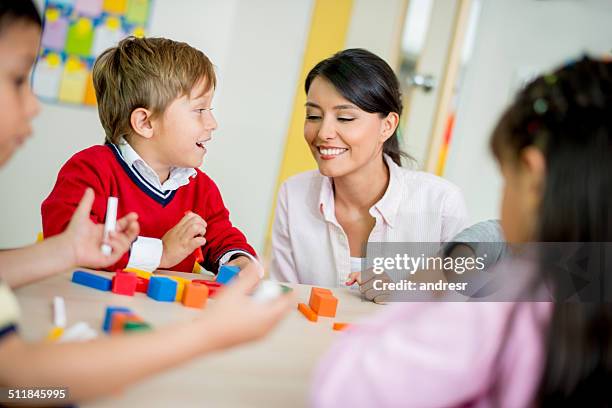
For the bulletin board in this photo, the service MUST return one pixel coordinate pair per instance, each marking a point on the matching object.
(75, 32)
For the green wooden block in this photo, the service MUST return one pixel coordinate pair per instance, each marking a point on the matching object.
(136, 326)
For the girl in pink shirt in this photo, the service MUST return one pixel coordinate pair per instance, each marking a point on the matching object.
(554, 146)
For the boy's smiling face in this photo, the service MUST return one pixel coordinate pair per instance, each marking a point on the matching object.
(18, 48)
(182, 131)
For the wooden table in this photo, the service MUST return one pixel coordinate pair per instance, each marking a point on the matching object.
(275, 371)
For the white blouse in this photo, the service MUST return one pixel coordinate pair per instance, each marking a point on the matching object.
(309, 246)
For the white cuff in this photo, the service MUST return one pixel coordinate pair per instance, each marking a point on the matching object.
(146, 254)
(226, 256)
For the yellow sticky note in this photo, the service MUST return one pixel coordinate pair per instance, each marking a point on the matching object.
(114, 6)
(74, 81)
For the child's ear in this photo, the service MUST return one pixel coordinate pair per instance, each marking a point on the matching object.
(389, 124)
(534, 164)
(140, 119)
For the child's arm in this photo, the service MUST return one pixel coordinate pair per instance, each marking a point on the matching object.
(91, 369)
(416, 354)
(80, 172)
(79, 245)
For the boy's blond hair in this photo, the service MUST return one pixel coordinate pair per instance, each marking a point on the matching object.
(145, 73)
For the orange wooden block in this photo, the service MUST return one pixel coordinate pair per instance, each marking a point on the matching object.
(323, 302)
(318, 290)
(340, 326)
(120, 319)
(195, 295)
(321, 290)
(307, 312)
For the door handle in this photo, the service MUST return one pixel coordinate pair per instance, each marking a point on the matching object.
(425, 82)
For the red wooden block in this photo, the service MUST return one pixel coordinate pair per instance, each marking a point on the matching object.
(124, 283)
(142, 284)
(199, 256)
(195, 295)
(213, 286)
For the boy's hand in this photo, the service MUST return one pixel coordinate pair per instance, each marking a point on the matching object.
(243, 263)
(236, 318)
(182, 239)
(85, 238)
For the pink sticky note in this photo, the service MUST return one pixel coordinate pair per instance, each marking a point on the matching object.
(91, 8)
(54, 33)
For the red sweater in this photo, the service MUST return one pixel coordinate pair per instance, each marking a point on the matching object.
(103, 169)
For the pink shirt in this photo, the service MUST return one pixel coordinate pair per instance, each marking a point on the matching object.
(309, 245)
(437, 355)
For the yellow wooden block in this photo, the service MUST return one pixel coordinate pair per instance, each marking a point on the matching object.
(55, 333)
(180, 288)
(139, 273)
(179, 279)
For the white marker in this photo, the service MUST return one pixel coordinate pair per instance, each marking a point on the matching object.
(59, 312)
(110, 223)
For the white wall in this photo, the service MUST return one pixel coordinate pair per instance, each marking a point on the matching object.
(515, 38)
(257, 48)
(376, 26)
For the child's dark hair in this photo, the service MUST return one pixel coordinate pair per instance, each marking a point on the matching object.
(567, 114)
(18, 11)
(368, 81)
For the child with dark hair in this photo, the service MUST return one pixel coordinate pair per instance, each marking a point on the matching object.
(553, 145)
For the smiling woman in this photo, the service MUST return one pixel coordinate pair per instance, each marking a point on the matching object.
(360, 194)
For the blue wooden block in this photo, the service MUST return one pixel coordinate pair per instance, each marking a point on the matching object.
(162, 289)
(227, 273)
(91, 280)
(108, 317)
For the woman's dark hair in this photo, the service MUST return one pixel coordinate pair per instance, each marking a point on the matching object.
(368, 81)
(567, 114)
(18, 11)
